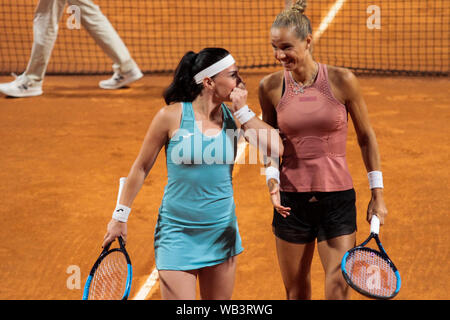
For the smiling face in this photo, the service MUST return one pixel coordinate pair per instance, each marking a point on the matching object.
(291, 51)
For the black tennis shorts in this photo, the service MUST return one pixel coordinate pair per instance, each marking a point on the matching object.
(332, 215)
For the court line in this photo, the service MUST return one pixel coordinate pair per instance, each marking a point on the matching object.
(328, 19)
(148, 285)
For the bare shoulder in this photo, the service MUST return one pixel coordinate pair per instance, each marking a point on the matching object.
(343, 82)
(272, 81)
(170, 112)
(340, 76)
(168, 117)
(270, 89)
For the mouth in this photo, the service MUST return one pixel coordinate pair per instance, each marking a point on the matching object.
(287, 64)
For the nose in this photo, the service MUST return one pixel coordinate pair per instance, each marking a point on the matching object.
(239, 81)
(279, 54)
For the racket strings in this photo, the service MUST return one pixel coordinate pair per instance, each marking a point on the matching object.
(371, 273)
(109, 281)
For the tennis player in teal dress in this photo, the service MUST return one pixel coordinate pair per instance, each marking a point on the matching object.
(196, 235)
(197, 224)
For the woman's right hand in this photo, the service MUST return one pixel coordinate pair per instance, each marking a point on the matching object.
(114, 230)
(274, 191)
(238, 97)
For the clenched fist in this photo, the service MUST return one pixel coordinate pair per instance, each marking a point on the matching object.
(238, 97)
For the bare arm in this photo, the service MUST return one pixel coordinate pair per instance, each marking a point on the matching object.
(156, 137)
(360, 117)
(366, 138)
(265, 137)
(269, 95)
(257, 132)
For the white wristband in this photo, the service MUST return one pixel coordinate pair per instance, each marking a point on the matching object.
(375, 179)
(244, 114)
(121, 213)
(272, 173)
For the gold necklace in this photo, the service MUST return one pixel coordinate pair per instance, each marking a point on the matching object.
(301, 88)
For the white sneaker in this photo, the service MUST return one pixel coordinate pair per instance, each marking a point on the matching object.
(21, 87)
(119, 80)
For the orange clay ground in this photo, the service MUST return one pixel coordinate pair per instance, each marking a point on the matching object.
(62, 154)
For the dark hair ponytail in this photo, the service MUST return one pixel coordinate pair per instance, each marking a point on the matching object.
(183, 86)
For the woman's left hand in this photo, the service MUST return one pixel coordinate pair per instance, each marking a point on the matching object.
(274, 191)
(377, 207)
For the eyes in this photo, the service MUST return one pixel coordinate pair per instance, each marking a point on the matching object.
(283, 47)
(234, 74)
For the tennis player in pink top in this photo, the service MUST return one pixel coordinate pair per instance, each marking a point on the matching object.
(312, 190)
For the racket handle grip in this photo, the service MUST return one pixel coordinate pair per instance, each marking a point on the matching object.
(375, 225)
(121, 184)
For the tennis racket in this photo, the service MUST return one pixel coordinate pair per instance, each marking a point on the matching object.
(110, 277)
(371, 272)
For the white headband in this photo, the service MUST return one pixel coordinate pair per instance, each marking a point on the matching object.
(214, 69)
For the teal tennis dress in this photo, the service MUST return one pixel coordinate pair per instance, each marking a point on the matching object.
(197, 225)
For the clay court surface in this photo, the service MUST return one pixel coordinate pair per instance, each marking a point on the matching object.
(62, 155)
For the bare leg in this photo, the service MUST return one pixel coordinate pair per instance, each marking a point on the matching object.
(178, 285)
(217, 282)
(331, 252)
(295, 265)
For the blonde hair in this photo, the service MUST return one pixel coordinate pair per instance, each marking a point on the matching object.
(295, 17)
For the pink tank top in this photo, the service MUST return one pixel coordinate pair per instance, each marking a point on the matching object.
(313, 127)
